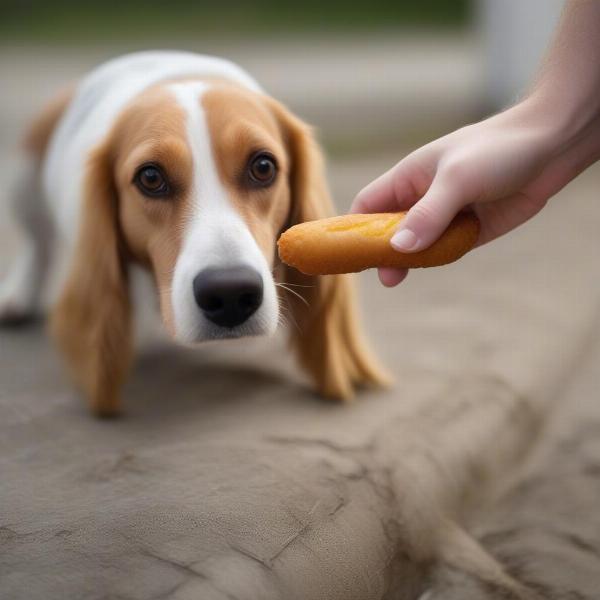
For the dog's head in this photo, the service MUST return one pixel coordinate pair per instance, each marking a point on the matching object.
(196, 180)
(205, 177)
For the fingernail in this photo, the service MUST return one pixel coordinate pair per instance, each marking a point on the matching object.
(404, 240)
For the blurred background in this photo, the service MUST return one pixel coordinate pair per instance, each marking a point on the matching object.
(378, 75)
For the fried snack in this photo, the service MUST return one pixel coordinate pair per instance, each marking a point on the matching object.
(353, 243)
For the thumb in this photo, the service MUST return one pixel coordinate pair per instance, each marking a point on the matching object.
(428, 218)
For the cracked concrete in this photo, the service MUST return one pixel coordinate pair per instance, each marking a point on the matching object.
(227, 479)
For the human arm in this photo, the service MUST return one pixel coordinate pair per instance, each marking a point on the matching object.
(508, 166)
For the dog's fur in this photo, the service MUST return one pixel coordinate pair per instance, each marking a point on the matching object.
(200, 118)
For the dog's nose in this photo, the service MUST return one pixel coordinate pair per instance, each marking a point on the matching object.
(228, 296)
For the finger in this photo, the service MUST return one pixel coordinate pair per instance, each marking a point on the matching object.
(429, 217)
(392, 277)
(395, 190)
(377, 196)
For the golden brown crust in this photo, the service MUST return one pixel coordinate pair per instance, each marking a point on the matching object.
(353, 243)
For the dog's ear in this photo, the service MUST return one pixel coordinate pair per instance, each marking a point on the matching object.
(326, 331)
(91, 320)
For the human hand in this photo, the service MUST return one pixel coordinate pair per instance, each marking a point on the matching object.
(505, 168)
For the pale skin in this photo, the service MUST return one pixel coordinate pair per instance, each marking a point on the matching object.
(508, 166)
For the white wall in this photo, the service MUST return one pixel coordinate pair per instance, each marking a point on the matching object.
(514, 34)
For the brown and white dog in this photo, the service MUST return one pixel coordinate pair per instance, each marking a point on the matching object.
(180, 163)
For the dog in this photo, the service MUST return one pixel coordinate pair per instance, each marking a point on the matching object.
(179, 163)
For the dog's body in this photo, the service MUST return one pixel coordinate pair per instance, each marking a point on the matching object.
(180, 163)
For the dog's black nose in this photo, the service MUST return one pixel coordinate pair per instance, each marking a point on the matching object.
(228, 296)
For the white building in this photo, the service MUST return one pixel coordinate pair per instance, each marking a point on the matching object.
(515, 34)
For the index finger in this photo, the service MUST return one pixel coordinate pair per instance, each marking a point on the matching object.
(397, 189)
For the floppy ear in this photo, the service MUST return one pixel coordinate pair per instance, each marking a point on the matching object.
(327, 336)
(91, 321)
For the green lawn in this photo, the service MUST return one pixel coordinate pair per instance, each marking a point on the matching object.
(80, 21)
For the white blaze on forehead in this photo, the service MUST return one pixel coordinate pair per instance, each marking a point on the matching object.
(207, 187)
(211, 208)
(215, 235)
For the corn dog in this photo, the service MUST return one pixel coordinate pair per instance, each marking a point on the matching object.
(352, 243)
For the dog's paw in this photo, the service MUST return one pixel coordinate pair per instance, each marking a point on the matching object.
(15, 313)
(106, 408)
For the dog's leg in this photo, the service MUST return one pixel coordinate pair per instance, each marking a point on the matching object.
(21, 290)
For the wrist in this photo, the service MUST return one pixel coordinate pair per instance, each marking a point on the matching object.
(569, 136)
(558, 124)
(539, 134)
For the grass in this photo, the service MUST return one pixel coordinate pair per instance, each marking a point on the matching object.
(77, 21)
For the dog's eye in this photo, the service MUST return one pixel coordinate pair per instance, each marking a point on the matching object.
(151, 181)
(262, 169)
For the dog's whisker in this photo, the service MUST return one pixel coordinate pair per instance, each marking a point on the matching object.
(300, 297)
(288, 319)
(288, 314)
(296, 285)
